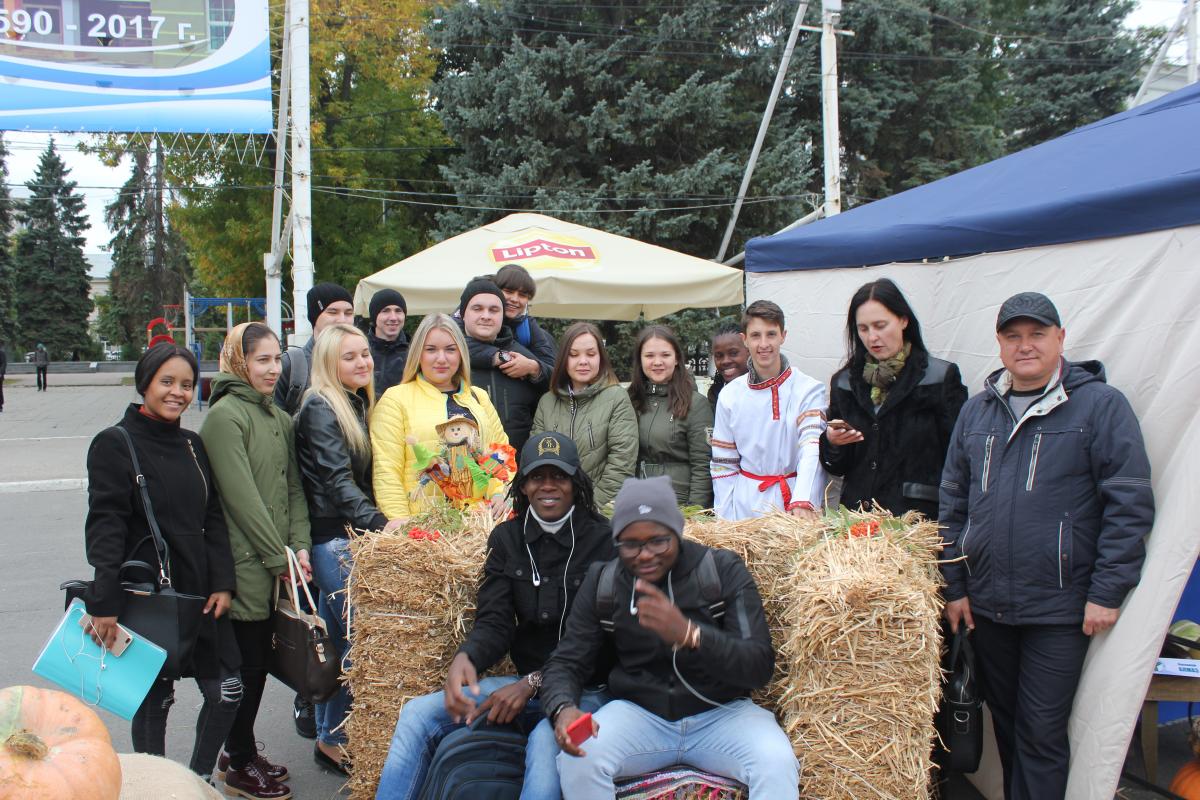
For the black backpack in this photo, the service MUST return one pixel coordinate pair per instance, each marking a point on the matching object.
(706, 573)
(295, 374)
(479, 762)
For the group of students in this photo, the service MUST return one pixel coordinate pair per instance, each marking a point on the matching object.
(661, 639)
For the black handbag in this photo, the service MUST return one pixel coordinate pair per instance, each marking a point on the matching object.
(960, 716)
(153, 608)
(302, 654)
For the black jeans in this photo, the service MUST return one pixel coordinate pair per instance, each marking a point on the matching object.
(1029, 675)
(221, 699)
(254, 640)
(41, 377)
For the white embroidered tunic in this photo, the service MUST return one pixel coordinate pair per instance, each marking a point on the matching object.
(765, 453)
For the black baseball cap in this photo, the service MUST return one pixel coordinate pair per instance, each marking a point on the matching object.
(1033, 305)
(549, 448)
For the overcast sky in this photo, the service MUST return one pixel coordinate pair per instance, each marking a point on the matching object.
(99, 184)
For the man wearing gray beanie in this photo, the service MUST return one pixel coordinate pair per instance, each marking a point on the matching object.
(692, 643)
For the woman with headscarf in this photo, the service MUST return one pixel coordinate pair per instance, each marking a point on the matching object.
(254, 465)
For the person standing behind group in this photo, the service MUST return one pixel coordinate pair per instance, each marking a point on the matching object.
(730, 358)
(254, 466)
(587, 403)
(333, 446)
(328, 304)
(389, 342)
(765, 451)
(1045, 505)
(510, 374)
(41, 363)
(179, 481)
(519, 289)
(436, 387)
(674, 420)
(892, 407)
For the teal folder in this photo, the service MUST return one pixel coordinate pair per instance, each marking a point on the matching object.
(116, 683)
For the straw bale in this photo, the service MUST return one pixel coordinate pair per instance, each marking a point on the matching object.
(854, 618)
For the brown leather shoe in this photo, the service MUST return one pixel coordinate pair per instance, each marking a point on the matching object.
(251, 782)
(276, 772)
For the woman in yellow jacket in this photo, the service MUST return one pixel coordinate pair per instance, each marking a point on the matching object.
(413, 428)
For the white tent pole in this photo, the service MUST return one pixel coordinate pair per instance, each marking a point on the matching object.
(1162, 54)
(762, 127)
(829, 108)
(807, 218)
(302, 257)
(271, 260)
(1192, 54)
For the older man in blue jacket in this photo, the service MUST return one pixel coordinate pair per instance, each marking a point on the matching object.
(1045, 501)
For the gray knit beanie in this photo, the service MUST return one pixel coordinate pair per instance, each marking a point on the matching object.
(646, 500)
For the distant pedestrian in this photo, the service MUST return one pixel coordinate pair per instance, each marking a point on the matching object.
(3, 369)
(41, 360)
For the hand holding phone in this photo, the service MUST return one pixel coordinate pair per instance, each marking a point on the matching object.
(580, 730)
(839, 433)
(573, 727)
(107, 633)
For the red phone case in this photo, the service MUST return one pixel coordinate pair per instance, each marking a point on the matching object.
(580, 730)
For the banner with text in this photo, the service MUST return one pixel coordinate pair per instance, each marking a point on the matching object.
(191, 66)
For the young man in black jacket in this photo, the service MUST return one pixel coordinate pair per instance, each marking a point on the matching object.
(535, 565)
(691, 644)
(389, 342)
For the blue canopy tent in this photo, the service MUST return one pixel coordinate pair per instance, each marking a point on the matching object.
(1106, 221)
(1133, 172)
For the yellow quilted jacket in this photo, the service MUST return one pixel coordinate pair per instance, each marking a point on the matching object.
(413, 409)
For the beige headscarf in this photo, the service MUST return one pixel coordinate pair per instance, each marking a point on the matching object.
(233, 356)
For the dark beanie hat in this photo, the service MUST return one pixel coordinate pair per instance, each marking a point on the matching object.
(478, 286)
(384, 298)
(321, 296)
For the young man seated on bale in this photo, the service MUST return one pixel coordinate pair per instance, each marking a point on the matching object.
(535, 565)
(691, 643)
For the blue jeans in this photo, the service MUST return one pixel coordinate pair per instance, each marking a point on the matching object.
(739, 741)
(331, 567)
(424, 722)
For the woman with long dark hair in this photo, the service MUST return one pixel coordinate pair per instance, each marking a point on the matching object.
(587, 404)
(892, 407)
(674, 420)
(254, 464)
(179, 480)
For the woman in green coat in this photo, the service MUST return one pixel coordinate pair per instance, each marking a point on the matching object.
(586, 402)
(253, 457)
(674, 420)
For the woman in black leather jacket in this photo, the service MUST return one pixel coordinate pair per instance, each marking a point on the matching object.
(892, 407)
(334, 451)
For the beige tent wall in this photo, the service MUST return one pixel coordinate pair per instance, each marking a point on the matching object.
(1132, 302)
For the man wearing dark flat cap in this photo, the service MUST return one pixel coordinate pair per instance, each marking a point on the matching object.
(1045, 502)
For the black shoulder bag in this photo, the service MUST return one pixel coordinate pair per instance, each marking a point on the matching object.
(960, 716)
(155, 610)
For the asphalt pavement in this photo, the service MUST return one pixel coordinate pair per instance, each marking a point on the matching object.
(43, 445)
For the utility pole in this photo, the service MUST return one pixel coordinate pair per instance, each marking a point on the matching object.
(273, 261)
(762, 127)
(830, 11)
(302, 258)
(160, 248)
(1187, 15)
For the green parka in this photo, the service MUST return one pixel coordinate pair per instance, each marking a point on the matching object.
(601, 422)
(253, 455)
(679, 448)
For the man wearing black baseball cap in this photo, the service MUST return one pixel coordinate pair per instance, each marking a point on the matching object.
(389, 342)
(1045, 502)
(535, 565)
(692, 643)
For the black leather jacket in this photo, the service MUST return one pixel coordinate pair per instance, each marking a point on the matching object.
(337, 481)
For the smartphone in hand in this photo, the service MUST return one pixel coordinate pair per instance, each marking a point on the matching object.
(580, 730)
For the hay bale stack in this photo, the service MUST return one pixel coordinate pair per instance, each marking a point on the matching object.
(855, 620)
(412, 600)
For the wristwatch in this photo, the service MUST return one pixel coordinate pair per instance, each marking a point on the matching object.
(534, 679)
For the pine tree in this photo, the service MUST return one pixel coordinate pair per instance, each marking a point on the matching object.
(149, 262)
(51, 292)
(8, 309)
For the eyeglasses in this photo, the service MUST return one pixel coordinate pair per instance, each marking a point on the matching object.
(655, 547)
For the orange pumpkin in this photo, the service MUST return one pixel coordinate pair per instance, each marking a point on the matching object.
(1186, 782)
(54, 746)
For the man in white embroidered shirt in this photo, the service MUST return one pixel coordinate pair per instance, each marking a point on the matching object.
(765, 442)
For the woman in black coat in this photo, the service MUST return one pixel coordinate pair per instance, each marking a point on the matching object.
(189, 514)
(892, 407)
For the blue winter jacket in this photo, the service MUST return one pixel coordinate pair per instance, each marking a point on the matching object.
(1046, 513)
